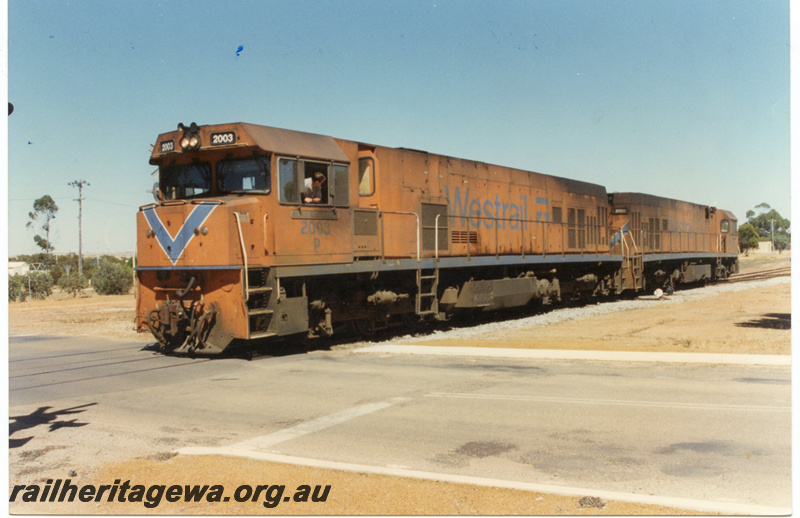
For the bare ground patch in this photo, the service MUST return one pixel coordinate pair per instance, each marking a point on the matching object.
(350, 493)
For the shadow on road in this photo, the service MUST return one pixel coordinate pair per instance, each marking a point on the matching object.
(43, 416)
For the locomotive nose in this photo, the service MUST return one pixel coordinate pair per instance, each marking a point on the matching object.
(191, 256)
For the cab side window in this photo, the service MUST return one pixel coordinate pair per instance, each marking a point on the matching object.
(341, 181)
(287, 179)
(309, 182)
(366, 176)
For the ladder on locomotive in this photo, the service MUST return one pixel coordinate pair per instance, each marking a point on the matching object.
(427, 300)
(638, 271)
(633, 264)
(260, 301)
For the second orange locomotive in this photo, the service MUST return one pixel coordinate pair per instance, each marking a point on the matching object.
(261, 232)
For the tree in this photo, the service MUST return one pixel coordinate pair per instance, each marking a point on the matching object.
(770, 226)
(767, 221)
(112, 279)
(43, 209)
(748, 238)
(782, 242)
(73, 283)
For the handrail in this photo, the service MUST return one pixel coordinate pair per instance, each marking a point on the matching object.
(672, 241)
(640, 239)
(246, 283)
(603, 231)
(624, 246)
(380, 215)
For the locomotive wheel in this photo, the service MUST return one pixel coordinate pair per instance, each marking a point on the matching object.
(413, 322)
(365, 327)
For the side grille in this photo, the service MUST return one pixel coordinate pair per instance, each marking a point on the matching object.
(459, 237)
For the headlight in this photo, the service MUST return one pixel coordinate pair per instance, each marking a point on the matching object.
(191, 137)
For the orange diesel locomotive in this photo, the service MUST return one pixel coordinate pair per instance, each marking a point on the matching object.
(261, 232)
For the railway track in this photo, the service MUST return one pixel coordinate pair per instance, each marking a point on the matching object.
(47, 370)
(783, 271)
(59, 368)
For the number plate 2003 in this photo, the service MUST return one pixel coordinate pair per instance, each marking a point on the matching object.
(223, 139)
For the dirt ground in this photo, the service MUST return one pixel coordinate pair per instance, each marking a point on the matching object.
(350, 493)
(743, 322)
(746, 322)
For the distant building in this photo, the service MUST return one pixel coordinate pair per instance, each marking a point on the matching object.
(18, 268)
(764, 247)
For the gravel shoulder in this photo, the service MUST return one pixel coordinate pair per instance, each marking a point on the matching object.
(745, 318)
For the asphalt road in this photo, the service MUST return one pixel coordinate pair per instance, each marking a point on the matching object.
(709, 432)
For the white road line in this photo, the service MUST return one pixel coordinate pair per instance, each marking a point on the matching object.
(315, 425)
(733, 508)
(585, 401)
(549, 354)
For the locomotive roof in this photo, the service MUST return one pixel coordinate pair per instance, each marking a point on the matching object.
(650, 199)
(295, 143)
(315, 146)
(574, 186)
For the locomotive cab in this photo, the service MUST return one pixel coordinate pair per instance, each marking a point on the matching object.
(205, 250)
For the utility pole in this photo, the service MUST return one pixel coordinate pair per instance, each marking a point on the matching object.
(79, 184)
(772, 235)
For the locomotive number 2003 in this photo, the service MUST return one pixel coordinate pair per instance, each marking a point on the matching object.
(310, 228)
(220, 139)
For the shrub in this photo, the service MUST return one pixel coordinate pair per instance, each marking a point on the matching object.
(73, 283)
(17, 288)
(112, 279)
(40, 286)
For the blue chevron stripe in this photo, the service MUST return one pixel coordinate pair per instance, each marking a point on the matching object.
(174, 247)
(618, 236)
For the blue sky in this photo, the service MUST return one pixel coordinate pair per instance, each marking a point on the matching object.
(683, 99)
